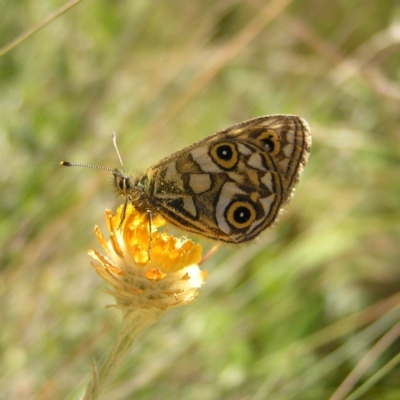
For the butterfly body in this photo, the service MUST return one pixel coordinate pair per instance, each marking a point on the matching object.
(229, 186)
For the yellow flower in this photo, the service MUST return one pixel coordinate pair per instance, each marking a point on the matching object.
(149, 273)
(168, 278)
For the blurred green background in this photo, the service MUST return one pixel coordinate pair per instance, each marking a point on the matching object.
(308, 311)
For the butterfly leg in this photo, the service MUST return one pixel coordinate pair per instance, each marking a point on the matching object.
(149, 214)
(127, 198)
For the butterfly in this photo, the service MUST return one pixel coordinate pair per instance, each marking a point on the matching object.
(229, 186)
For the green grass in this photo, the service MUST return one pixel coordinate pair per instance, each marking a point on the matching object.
(288, 317)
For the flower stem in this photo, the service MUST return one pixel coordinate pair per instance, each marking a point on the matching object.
(134, 323)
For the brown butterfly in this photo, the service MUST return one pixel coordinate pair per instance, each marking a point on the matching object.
(229, 186)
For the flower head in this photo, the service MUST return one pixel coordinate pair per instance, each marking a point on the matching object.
(147, 270)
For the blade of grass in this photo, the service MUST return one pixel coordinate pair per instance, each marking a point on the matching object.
(19, 39)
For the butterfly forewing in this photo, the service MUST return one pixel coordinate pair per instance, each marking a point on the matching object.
(286, 139)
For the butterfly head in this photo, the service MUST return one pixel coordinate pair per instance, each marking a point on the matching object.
(128, 185)
(123, 182)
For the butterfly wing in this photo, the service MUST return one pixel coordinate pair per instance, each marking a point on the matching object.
(231, 185)
(285, 138)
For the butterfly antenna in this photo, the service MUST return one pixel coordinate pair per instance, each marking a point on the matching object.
(114, 138)
(70, 164)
